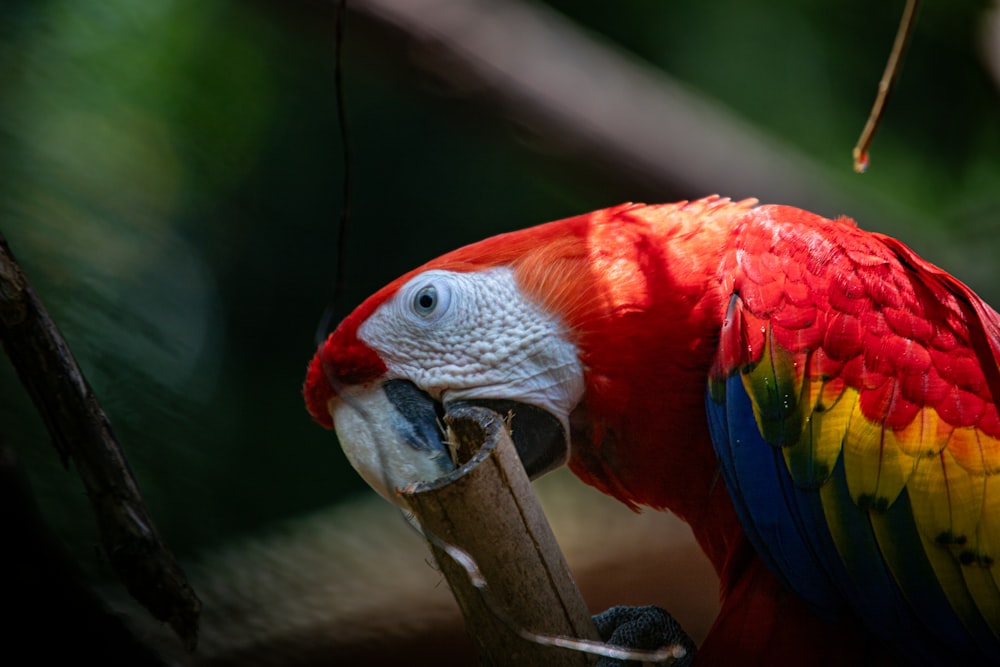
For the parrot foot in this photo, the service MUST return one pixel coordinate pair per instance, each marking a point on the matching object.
(648, 627)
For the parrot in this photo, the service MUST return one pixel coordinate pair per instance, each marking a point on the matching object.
(816, 401)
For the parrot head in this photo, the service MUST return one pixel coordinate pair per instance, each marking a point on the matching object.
(589, 334)
(446, 335)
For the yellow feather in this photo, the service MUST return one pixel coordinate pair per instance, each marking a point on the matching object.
(947, 501)
(948, 506)
(989, 534)
(984, 591)
(949, 575)
(876, 466)
(926, 435)
(812, 460)
(965, 447)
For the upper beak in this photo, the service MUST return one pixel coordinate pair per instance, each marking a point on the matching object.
(392, 434)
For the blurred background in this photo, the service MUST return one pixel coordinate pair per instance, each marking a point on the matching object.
(171, 181)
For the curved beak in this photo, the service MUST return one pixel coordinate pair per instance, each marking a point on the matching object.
(392, 433)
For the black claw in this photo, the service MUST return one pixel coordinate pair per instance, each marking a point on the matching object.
(647, 628)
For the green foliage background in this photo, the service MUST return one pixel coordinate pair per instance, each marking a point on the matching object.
(170, 178)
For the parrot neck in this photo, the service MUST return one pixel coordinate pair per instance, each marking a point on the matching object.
(647, 340)
(685, 482)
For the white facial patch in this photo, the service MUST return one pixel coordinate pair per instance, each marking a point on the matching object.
(474, 335)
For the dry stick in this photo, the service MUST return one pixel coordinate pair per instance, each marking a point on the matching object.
(889, 77)
(488, 508)
(82, 432)
(509, 577)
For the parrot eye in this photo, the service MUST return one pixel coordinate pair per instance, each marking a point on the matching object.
(425, 301)
(428, 298)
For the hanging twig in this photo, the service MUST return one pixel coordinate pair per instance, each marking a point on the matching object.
(81, 432)
(889, 76)
(344, 221)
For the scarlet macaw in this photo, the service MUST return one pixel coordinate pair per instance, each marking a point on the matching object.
(816, 401)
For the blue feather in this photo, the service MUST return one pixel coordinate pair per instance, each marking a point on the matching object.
(753, 471)
(789, 529)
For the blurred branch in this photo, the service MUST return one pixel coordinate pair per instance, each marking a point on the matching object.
(48, 597)
(628, 120)
(345, 585)
(542, 70)
(82, 432)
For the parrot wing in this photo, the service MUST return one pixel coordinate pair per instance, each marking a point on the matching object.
(852, 409)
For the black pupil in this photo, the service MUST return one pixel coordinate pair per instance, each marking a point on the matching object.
(425, 300)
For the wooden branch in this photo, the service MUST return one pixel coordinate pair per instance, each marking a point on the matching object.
(488, 509)
(52, 615)
(81, 432)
